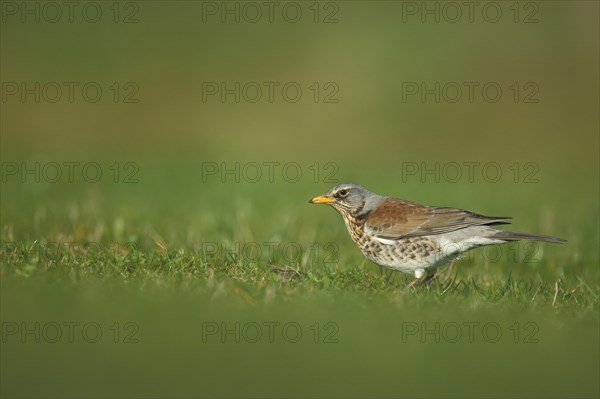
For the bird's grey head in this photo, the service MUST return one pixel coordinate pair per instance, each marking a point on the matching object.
(349, 198)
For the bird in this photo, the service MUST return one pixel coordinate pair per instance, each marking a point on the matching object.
(412, 238)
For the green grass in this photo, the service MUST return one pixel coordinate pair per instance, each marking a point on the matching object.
(494, 284)
(148, 257)
(267, 237)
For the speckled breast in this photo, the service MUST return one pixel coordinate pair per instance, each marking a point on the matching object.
(405, 254)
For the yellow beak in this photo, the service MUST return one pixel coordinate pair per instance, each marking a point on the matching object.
(321, 199)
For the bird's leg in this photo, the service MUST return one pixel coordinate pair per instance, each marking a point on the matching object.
(413, 283)
(428, 278)
(421, 281)
(450, 269)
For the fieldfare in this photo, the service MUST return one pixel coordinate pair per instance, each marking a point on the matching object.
(413, 238)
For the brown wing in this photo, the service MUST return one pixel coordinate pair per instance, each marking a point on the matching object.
(396, 218)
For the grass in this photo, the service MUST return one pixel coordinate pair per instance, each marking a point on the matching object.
(174, 259)
(168, 230)
(252, 278)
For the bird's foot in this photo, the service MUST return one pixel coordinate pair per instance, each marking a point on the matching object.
(448, 274)
(421, 282)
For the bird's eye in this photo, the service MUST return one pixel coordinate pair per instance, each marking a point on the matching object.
(343, 193)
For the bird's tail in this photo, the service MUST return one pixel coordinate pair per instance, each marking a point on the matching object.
(515, 236)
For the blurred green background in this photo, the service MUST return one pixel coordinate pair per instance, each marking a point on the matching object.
(163, 130)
